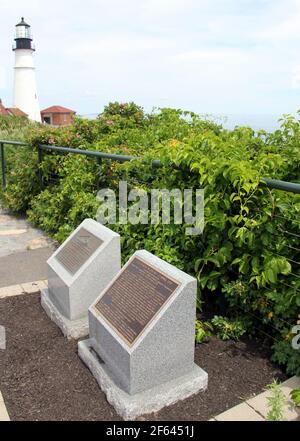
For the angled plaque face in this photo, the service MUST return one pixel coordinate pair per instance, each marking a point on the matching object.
(135, 298)
(78, 250)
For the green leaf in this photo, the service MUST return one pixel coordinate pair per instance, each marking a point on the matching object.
(271, 275)
(295, 394)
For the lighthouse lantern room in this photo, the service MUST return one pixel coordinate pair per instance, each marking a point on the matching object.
(25, 89)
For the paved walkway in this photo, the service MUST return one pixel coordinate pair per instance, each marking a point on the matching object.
(3, 411)
(24, 251)
(256, 408)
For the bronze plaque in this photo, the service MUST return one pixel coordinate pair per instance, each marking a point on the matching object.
(78, 250)
(135, 298)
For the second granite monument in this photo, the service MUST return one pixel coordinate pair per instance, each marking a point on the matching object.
(77, 273)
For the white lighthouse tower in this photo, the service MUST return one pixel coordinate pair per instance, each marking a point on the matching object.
(25, 90)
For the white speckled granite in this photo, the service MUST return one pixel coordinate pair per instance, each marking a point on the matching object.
(72, 329)
(71, 295)
(165, 350)
(130, 407)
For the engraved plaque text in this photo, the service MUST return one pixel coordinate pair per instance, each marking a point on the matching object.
(78, 250)
(135, 298)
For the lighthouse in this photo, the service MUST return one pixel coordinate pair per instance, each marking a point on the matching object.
(25, 89)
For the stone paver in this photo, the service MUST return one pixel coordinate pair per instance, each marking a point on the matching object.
(256, 409)
(39, 242)
(11, 291)
(24, 267)
(241, 412)
(12, 232)
(291, 412)
(24, 251)
(3, 411)
(33, 287)
(17, 234)
(290, 384)
(24, 288)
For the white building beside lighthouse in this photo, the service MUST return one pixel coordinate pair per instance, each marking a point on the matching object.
(25, 89)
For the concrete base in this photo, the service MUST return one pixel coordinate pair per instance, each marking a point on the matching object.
(130, 407)
(72, 329)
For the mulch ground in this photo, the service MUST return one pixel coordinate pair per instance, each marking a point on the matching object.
(42, 377)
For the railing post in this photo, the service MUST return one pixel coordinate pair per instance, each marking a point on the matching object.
(40, 158)
(3, 166)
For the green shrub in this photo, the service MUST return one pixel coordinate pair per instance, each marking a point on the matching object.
(245, 260)
(228, 329)
(15, 127)
(295, 394)
(203, 331)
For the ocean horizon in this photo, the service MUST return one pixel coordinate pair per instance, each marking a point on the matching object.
(269, 123)
(266, 122)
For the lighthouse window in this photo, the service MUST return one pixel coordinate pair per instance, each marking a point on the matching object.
(23, 32)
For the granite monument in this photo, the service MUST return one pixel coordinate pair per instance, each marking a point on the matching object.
(77, 273)
(142, 337)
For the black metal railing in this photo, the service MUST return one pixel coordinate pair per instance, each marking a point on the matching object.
(271, 183)
(91, 153)
(276, 184)
(3, 161)
(41, 148)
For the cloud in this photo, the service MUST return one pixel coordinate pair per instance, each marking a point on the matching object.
(222, 56)
(118, 43)
(283, 23)
(286, 29)
(296, 78)
(211, 56)
(166, 7)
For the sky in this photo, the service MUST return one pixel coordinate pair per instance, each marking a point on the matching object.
(209, 56)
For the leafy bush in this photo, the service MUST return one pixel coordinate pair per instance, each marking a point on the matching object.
(295, 394)
(228, 329)
(123, 114)
(14, 127)
(203, 331)
(246, 260)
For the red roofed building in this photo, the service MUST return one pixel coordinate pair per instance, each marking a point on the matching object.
(58, 116)
(11, 111)
(3, 110)
(14, 111)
